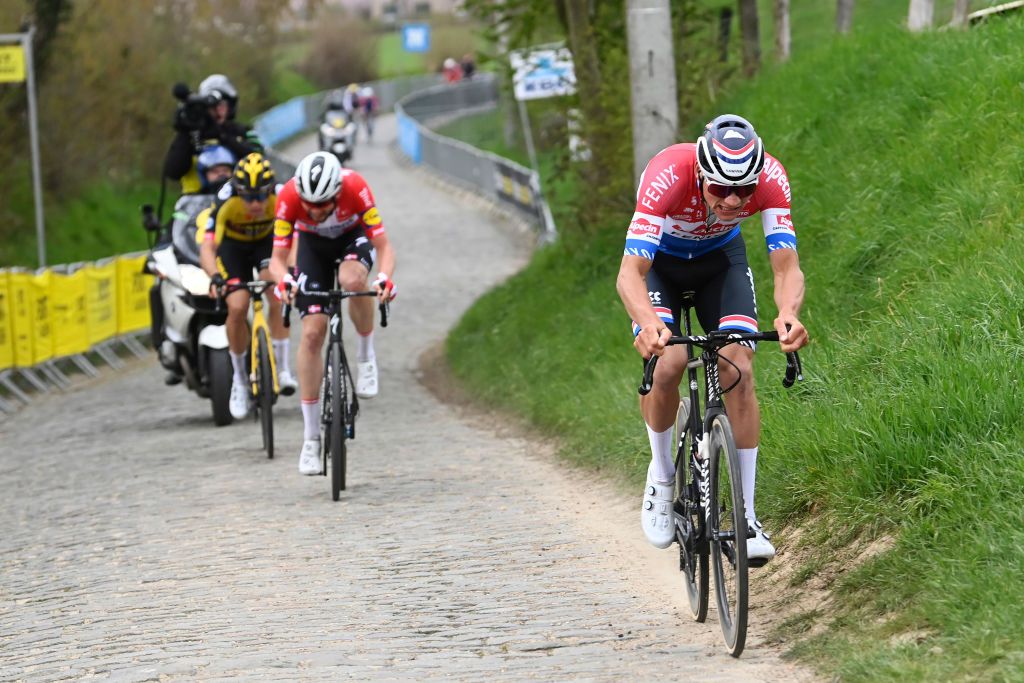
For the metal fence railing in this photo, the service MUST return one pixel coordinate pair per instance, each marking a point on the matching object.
(505, 182)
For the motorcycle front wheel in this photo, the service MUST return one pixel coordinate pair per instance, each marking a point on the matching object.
(219, 379)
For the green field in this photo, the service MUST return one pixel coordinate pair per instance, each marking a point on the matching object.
(906, 158)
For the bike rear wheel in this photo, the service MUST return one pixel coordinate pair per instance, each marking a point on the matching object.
(336, 438)
(728, 533)
(265, 391)
(693, 547)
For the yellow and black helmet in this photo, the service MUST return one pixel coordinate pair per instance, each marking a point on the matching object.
(253, 174)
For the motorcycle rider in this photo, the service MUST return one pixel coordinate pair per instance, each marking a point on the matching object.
(239, 238)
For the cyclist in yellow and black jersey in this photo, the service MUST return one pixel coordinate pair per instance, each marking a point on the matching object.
(238, 237)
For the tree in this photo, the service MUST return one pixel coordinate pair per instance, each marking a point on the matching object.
(588, 80)
(922, 12)
(960, 13)
(782, 35)
(750, 31)
(844, 16)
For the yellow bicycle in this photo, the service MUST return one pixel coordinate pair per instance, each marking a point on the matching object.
(262, 365)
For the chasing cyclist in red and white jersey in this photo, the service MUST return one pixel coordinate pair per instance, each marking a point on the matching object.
(335, 212)
(685, 237)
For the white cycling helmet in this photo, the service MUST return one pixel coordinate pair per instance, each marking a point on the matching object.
(318, 177)
(729, 152)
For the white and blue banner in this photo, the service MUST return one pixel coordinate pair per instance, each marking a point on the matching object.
(541, 73)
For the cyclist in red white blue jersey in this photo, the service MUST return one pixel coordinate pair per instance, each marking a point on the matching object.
(685, 237)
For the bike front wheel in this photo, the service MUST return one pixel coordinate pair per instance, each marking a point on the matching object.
(336, 429)
(693, 547)
(727, 529)
(265, 391)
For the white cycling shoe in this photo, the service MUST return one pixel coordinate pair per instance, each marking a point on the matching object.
(366, 383)
(656, 513)
(286, 383)
(309, 458)
(759, 548)
(238, 404)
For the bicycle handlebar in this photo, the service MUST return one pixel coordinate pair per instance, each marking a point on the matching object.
(716, 340)
(338, 295)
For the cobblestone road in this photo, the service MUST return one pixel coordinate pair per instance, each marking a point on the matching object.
(140, 543)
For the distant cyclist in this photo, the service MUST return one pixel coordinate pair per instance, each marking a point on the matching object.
(685, 237)
(335, 212)
(368, 104)
(239, 238)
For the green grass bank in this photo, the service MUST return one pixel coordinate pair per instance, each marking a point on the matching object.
(906, 157)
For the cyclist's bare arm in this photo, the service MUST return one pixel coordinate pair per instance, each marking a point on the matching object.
(385, 254)
(789, 297)
(632, 288)
(208, 257)
(279, 263)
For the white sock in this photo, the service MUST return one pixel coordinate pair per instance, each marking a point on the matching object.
(238, 363)
(365, 351)
(311, 419)
(748, 470)
(662, 467)
(281, 353)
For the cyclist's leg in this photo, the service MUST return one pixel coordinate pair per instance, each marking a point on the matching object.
(315, 264)
(659, 407)
(353, 276)
(278, 332)
(235, 262)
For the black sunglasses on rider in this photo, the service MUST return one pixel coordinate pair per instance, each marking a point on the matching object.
(723, 191)
(318, 205)
(259, 196)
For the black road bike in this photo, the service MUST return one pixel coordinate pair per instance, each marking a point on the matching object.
(710, 518)
(339, 404)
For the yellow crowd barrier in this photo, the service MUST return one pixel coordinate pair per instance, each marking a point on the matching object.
(132, 294)
(100, 302)
(42, 318)
(6, 335)
(70, 322)
(54, 314)
(22, 325)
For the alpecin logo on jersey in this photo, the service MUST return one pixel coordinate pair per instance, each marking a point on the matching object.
(641, 227)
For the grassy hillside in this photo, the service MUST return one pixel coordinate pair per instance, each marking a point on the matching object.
(906, 158)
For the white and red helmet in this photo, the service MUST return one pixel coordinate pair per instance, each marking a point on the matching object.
(318, 177)
(730, 152)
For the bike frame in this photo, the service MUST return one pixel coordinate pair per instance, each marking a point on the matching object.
(259, 322)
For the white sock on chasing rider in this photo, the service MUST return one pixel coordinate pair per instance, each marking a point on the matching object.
(238, 363)
(365, 351)
(664, 470)
(311, 419)
(281, 353)
(748, 471)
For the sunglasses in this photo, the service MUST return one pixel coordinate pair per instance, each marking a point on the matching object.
(723, 191)
(318, 205)
(260, 196)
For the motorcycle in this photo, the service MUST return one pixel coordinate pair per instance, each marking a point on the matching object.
(189, 333)
(338, 135)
